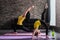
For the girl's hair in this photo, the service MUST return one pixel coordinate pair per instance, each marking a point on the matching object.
(28, 15)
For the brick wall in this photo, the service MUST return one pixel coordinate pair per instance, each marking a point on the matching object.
(58, 13)
(11, 9)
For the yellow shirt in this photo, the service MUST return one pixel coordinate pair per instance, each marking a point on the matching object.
(20, 20)
(37, 24)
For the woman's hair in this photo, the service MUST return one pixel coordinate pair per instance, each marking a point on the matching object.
(28, 15)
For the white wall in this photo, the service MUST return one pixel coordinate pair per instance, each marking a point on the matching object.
(53, 12)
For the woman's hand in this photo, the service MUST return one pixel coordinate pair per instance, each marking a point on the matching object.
(24, 14)
(30, 8)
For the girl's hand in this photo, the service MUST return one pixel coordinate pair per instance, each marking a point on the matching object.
(30, 8)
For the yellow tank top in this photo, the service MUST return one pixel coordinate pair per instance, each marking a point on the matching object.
(37, 24)
(20, 20)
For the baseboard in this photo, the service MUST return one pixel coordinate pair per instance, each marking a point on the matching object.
(57, 29)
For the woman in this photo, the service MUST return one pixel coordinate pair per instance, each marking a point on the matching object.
(36, 30)
(21, 18)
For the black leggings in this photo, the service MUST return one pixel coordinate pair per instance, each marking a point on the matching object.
(20, 27)
(46, 26)
(15, 27)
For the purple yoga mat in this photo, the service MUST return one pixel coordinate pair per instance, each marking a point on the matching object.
(20, 36)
